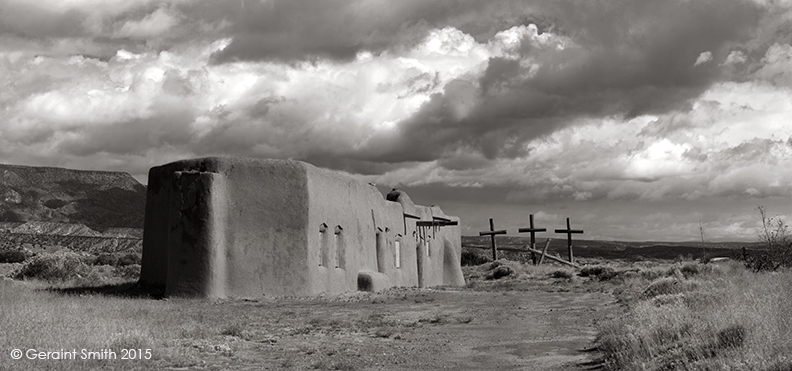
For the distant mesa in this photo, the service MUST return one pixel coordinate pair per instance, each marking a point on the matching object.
(99, 201)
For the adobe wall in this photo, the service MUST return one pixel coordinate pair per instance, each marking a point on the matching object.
(218, 227)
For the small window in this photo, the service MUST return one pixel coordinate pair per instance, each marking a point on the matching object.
(378, 252)
(323, 253)
(397, 253)
(340, 261)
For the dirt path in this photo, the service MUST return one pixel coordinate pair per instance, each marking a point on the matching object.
(459, 329)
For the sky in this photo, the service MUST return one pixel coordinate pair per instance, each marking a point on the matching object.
(639, 120)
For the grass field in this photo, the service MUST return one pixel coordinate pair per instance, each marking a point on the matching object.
(703, 317)
(640, 312)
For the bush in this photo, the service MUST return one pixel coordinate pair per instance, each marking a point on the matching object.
(602, 273)
(499, 272)
(690, 269)
(777, 237)
(61, 266)
(666, 286)
(562, 274)
(90, 260)
(471, 258)
(106, 259)
(129, 259)
(12, 256)
(732, 337)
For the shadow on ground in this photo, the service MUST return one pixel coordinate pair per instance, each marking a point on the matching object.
(134, 290)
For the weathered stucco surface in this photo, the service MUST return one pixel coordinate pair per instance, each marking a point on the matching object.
(233, 227)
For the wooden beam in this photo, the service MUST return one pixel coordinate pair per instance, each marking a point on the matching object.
(426, 223)
(553, 258)
(544, 252)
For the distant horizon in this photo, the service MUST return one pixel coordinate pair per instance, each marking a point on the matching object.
(692, 243)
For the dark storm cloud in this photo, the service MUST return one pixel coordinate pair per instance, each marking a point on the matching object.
(32, 21)
(132, 137)
(294, 30)
(628, 58)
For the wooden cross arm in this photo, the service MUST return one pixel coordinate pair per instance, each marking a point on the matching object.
(526, 230)
(435, 223)
(492, 233)
(568, 231)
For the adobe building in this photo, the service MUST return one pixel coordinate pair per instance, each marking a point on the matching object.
(236, 227)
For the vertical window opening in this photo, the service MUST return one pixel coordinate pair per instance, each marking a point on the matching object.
(397, 253)
(340, 261)
(323, 254)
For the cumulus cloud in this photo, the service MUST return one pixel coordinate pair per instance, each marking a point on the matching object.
(776, 65)
(735, 57)
(590, 69)
(152, 25)
(703, 58)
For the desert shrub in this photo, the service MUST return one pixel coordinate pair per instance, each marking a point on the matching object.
(732, 337)
(667, 286)
(129, 259)
(652, 274)
(129, 271)
(665, 299)
(12, 256)
(106, 259)
(561, 273)
(777, 237)
(60, 266)
(499, 272)
(233, 329)
(89, 259)
(683, 258)
(602, 273)
(689, 269)
(470, 258)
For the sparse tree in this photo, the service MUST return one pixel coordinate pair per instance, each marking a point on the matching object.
(775, 234)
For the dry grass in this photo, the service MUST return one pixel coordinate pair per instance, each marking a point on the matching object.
(684, 315)
(34, 317)
(703, 317)
(202, 334)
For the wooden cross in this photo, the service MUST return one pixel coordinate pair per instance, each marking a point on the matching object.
(492, 232)
(569, 231)
(532, 231)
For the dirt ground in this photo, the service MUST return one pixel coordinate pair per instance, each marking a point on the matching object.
(525, 321)
(505, 325)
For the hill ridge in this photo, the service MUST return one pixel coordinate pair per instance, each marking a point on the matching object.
(97, 199)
